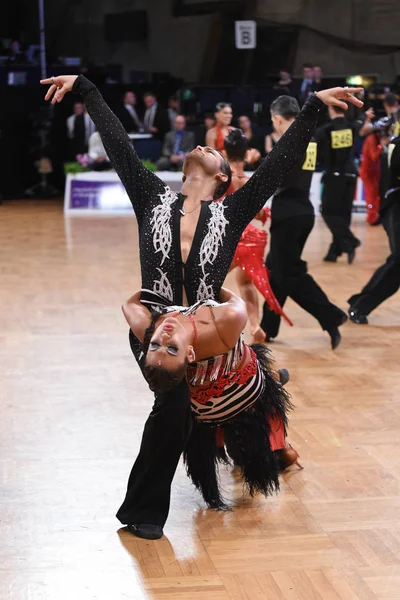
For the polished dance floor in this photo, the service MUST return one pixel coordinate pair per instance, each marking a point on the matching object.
(73, 406)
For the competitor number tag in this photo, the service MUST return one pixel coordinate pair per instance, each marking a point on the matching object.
(343, 138)
(311, 157)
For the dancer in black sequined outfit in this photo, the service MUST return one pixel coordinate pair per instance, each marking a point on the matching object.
(189, 240)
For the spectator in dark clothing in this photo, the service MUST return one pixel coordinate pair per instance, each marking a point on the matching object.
(285, 84)
(79, 129)
(254, 139)
(177, 144)
(305, 86)
(15, 54)
(128, 114)
(318, 82)
(173, 109)
(156, 120)
(208, 123)
(390, 104)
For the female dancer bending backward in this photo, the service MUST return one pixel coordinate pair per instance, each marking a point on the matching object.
(236, 396)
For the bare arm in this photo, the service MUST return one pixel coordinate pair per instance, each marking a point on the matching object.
(136, 315)
(211, 137)
(268, 144)
(230, 319)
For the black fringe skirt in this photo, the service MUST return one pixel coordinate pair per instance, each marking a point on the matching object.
(247, 442)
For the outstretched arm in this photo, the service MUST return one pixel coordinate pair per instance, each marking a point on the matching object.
(289, 150)
(139, 182)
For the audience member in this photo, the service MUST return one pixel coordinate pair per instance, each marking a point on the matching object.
(215, 136)
(208, 123)
(271, 139)
(391, 104)
(318, 74)
(305, 87)
(97, 153)
(173, 109)
(16, 56)
(128, 114)
(255, 141)
(177, 144)
(156, 120)
(285, 84)
(79, 129)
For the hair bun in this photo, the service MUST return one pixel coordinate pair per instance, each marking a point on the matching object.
(235, 136)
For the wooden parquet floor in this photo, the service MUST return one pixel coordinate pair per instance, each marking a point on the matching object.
(72, 409)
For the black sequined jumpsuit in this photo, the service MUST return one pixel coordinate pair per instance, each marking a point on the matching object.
(218, 231)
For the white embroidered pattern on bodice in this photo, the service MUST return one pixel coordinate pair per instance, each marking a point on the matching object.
(210, 246)
(161, 225)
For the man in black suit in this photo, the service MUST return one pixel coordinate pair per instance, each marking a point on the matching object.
(156, 120)
(177, 144)
(79, 129)
(305, 86)
(318, 75)
(128, 114)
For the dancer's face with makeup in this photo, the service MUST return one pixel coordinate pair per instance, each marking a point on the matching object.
(170, 346)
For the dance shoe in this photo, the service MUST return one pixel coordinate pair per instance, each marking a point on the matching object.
(287, 457)
(283, 376)
(335, 336)
(330, 257)
(146, 531)
(356, 316)
(351, 256)
(334, 332)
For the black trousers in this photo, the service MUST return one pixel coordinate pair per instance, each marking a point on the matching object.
(386, 280)
(289, 276)
(337, 203)
(165, 436)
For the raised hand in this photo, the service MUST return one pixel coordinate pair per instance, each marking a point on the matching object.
(59, 86)
(335, 96)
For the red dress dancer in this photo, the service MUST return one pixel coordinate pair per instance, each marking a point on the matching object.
(219, 138)
(370, 172)
(249, 256)
(215, 136)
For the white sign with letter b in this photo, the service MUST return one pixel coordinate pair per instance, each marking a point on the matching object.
(245, 35)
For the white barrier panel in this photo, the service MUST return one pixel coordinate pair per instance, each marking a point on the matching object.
(103, 193)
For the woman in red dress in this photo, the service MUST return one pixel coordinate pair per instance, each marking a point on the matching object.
(370, 173)
(252, 274)
(215, 136)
